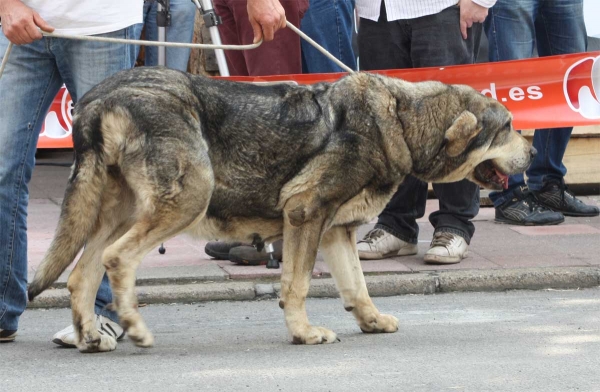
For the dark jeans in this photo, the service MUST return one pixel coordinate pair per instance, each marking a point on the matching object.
(429, 41)
(514, 29)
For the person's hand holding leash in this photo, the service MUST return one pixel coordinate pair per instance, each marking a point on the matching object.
(21, 24)
(266, 17)
(470, 13)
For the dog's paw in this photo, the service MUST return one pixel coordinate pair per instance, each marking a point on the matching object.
(141, 337)
(380, 323)
(314, 335)
(98, 344)
(145, 341)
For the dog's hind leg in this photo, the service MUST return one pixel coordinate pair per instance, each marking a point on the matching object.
(339, 250)
(162, 213)
(85, 279)
(83, 284)
(123, 257)
(300, 244)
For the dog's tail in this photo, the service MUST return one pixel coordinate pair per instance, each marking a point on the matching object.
(80, 207)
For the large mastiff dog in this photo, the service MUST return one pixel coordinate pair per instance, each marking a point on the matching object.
(159, 152)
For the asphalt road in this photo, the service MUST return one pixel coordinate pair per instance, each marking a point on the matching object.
(515, 341)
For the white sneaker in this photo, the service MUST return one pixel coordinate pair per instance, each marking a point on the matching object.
(446, 248)
(379, 244)
(105, 326)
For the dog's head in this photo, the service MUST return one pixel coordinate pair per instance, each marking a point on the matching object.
(460, 134)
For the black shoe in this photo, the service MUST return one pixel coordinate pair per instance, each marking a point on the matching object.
(220, 250)
(524, 209)
(248, 255)
(556, 196)
(7, 335)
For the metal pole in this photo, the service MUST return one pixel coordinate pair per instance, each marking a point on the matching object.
(163, 19)
(212, 20)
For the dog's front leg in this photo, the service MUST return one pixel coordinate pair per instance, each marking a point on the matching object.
(339, 250)
(300, 244)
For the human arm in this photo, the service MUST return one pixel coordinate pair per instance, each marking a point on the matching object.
(20, 23)
(473, 11)
(266, 17)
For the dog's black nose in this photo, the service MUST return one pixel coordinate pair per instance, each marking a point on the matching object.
(533, 152)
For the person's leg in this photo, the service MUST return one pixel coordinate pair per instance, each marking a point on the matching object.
(401, 213)
(511, 31)
(560, 29)
(511, 35)
(386, 45)
(230, 35)
(149, 22)
(459, 204)
(330, 24)
(183, 13)
(82, 65)
(27, 88)
(282, 56)
(437, 41)
(383, 44)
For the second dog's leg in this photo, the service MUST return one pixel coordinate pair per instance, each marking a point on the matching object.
(339, 250)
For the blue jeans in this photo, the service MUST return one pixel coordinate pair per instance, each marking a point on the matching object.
(330, 24)
(183, 13)
(514, 29)
(33, 76)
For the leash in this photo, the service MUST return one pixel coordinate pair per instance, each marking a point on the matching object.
(180, 45)
(319, 48)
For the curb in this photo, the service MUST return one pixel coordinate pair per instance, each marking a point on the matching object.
(378, 286)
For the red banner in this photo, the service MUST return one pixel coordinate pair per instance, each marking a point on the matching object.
(547, 92)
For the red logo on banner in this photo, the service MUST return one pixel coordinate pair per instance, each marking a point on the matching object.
(582, 87)
(57, 124)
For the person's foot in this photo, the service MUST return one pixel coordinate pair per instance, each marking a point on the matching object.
(524, 209)
(105, 326)
(556, 196)
(249, 255)
(7, 335)
(220, 249)
(379, 244)
(446, 248)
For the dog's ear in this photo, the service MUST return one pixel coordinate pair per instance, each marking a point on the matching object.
(460, 133)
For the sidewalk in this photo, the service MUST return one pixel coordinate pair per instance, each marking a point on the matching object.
(501, 257)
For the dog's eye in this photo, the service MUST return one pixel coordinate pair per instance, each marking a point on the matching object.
(508, 124)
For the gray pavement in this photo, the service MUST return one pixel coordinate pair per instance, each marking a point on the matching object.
(513, 341)
(501, 257)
